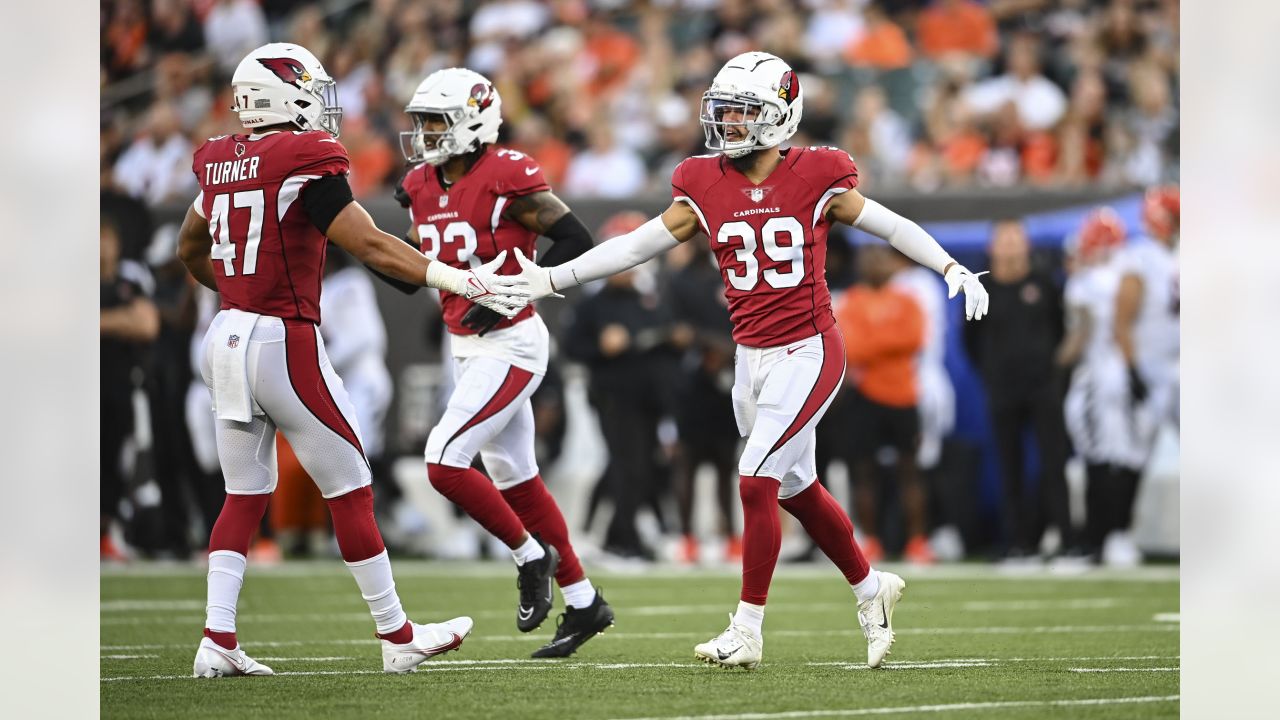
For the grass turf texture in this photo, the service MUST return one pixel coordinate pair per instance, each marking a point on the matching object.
(975, 641)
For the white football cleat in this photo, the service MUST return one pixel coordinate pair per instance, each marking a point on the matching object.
(737, 646)
(213, 661)
(428, 641)
(876, 617)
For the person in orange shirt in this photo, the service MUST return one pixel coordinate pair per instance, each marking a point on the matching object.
(957, 26)
(883, 329)
(883, 46)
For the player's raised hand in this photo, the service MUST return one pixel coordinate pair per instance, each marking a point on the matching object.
(976, 299)
(537, 277)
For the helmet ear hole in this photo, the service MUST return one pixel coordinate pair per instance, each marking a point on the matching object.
(302, 103)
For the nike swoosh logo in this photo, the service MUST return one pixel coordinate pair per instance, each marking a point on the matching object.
(530, 171)
(791, 350)
(525, 614)
(884, 622)
(727, 655)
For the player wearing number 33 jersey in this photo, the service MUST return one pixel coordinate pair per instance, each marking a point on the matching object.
(767, 213)
(470, 203)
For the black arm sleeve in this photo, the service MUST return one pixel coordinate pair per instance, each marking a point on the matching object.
(571, 239)
(402, 286)
(325, 197)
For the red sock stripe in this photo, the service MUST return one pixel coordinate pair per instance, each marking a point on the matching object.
(512, 385)
(238, 521)
(761, 536)
(830, 374)
(302, 358)
(470, 490)
(829, 526)
(537, 509)
(355, 526)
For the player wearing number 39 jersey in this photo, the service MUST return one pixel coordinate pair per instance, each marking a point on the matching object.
(471, 203)
(257, 234)
(767, 213)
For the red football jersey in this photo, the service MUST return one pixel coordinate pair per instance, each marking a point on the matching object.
(267, 256)
(463, 226)
(770, 240)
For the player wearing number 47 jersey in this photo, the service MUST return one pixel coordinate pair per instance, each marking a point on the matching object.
(256, 234)
(767, 213)
(469, 203)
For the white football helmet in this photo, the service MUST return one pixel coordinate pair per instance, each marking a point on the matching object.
(758, 93)
(469, 106)
(285, 83)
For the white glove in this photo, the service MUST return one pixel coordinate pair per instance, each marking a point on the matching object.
(976, 299)
(536, 277)
(504, 294)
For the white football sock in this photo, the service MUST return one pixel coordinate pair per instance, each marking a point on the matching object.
(226, 576)
(530, 550)
(579, 595)
(750, 616)
(868, 588)
(378, 588)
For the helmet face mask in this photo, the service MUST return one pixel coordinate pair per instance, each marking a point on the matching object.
(454, 111)
(733, 123)
(753, 103)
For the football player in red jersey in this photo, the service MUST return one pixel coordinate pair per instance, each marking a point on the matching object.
(470, 202)
(767, 212)
(256, 234)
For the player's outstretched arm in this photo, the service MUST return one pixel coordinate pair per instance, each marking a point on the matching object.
(354, 231)
(852, 208)
(194, 242)
(660, 234)
(545, 214)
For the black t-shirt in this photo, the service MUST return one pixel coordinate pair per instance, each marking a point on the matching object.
(1014, 345)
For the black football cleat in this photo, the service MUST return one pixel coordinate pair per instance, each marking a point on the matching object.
(576, 627)
(536, 583)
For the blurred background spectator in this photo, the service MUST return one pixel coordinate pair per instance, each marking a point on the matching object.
(1015, 353)
(590, 87)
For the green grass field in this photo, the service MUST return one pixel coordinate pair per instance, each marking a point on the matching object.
(973, 642)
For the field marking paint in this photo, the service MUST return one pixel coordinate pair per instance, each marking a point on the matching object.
(1105, 670)
(951, 707)
(1082, 604)
(1044, 629)
(457, 666)
(1167, 617)
(127, 657)
(282, 658)
(129, 605)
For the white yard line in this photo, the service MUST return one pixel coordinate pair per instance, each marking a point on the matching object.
(127, 657)
(455, 666)
(1083, 604)
(1122, 669)
(995, 630)
(1170, 617)
(951, 707)
(139, 604)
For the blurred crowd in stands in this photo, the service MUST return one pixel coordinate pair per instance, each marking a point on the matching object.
(924, 93)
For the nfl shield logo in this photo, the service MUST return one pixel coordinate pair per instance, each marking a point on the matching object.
(233, 341)
(444, 200)
(757, 194)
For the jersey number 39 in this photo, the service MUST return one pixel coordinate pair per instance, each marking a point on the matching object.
(790, 255)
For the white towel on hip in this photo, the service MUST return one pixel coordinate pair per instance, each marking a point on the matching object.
(232, 399)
